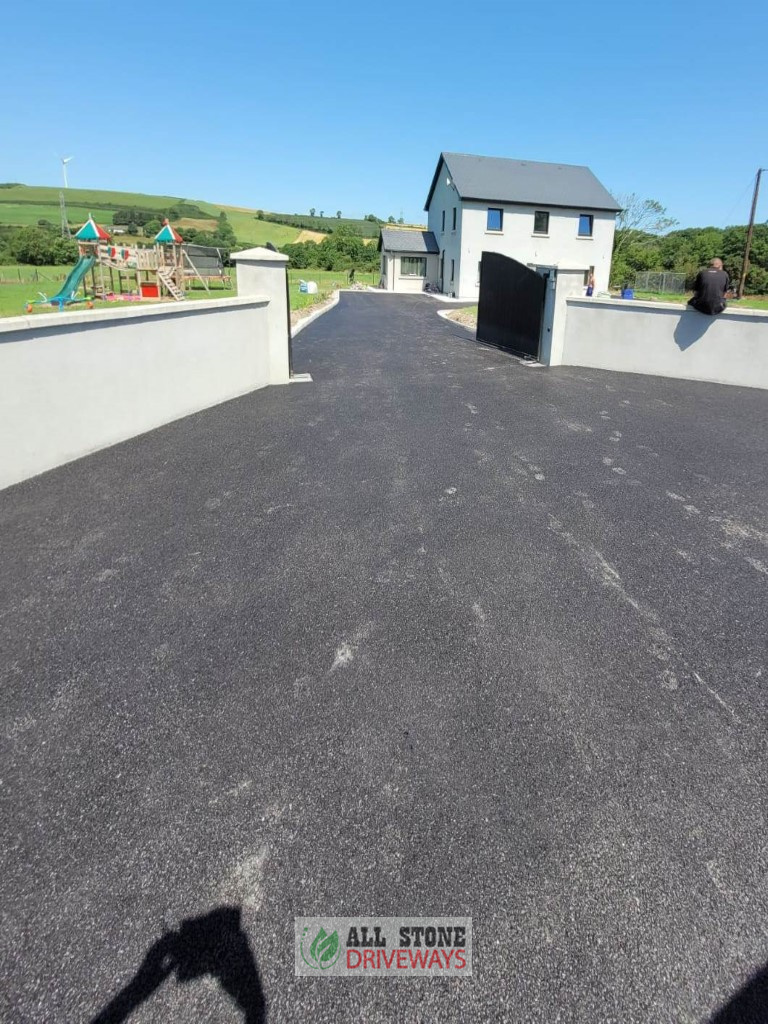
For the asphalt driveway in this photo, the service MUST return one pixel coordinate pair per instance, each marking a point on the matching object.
(438, 633)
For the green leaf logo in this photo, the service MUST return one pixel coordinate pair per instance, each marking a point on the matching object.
(324, 951)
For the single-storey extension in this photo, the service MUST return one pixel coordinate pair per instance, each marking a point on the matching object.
(409, 259)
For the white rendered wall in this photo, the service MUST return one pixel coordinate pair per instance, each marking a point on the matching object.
(264, 272)
(386, 271)
(445, 198)
(567, 282)
(562, 248)
(398, 282)
(668, 340)
(72, 383)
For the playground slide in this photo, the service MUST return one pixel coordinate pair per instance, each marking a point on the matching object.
(67, 292)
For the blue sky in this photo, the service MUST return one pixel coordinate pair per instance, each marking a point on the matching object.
(347, 106)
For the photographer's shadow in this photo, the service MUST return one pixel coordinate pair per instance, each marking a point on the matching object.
(213, 944)
(749, 1005)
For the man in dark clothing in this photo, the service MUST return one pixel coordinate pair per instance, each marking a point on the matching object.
(710, 288)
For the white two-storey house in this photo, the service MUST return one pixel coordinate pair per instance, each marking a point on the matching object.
(540, 214)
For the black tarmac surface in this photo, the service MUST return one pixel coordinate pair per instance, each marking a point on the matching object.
(438, 633)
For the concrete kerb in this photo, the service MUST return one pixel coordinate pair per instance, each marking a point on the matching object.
(446, 315)
(430, 295)
(437, 297)
(333, 301)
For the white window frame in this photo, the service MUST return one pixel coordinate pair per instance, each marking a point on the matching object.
(422, 261)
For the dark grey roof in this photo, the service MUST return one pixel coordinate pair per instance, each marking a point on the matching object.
(499, 180)
(405, 240)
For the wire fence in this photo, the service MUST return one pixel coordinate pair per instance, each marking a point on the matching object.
(327, 280)
(27, 274)
(659, 281)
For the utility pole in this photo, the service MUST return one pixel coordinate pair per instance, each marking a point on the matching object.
(745, 264)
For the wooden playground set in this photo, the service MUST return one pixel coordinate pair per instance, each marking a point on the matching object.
(110, 272)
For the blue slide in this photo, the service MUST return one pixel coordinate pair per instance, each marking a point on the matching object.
(70, 286)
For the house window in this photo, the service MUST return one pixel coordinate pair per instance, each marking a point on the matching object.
(413, 266)
(453, 263)
(479, 267)
(454, 218)
(589, 275)
(540, 222)
(495, 221)
(586, 220)
(442, 228)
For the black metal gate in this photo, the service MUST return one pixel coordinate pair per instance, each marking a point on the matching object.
(511, 304)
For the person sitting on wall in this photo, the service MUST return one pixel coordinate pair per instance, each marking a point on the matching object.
(710, 288)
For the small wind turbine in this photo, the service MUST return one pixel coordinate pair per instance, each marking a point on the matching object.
(64, 161)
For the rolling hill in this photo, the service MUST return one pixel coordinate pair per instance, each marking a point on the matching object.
(22, 205)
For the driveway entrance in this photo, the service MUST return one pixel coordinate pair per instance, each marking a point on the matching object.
(438, 633)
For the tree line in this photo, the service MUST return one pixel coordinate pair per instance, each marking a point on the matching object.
(37, 246)
(689, 249)
(139, 215)
(341, 250)
(367, 227)
(648, 239)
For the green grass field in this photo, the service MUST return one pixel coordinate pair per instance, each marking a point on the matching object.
(90, 197)
(14, 299)
(327, 281)
(23, 205)
(748, 302)
(26, 214)
(20, 285)
(250, 231)
(24, 273)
